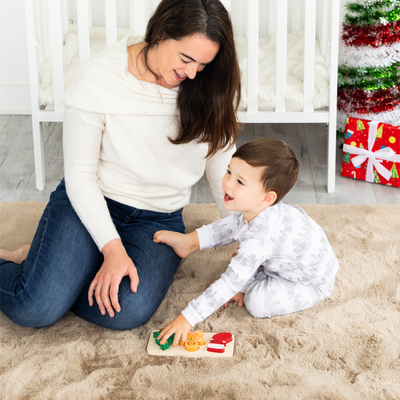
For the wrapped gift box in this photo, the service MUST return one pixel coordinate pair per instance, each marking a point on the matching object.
(371, 152)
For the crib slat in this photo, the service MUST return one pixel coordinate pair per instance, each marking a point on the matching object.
(309, 55)
(281, 50)
(137, 17)
(56, 41)
(335, 14)
(37, 132)
(111, 22)
(83, 29)
(252, 55)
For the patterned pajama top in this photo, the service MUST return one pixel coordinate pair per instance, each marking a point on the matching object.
(284, 240)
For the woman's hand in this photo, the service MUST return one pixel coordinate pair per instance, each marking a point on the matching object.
(237, 297)
(180, 326)
(105, 284)
(183, 244)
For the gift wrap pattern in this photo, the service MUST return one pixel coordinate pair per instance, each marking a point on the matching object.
(371, 152)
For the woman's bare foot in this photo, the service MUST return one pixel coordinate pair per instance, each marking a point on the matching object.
(16, 256)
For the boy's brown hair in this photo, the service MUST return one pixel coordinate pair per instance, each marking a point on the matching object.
(281, 165)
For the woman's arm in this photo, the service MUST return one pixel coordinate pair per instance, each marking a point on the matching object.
(82, 137)
(82, 142)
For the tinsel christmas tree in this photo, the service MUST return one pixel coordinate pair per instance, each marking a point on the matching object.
(369, 65)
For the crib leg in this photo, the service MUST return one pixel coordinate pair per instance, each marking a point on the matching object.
(38, 149)
(331, 159)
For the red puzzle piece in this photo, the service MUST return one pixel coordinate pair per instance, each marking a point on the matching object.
(218, 342)
(222, 337)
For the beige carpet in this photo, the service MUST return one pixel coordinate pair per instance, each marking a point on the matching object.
(344, 348)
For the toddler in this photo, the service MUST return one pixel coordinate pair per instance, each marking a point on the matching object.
(284, 262)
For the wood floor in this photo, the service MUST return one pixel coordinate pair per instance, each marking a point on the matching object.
(308, 141)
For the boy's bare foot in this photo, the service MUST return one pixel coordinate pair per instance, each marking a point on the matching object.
(183, 244)
(16, 256)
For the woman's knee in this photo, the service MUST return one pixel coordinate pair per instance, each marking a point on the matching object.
(136, 308)
(36, 316)
(134, 314)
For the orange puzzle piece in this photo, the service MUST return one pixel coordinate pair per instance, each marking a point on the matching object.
(191, 345)
(193, 341)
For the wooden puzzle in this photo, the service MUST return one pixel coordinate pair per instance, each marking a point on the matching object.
(197, 344)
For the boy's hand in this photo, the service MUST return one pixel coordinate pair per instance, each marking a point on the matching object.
(183, 244)
(238, 297)
(235, 253)
(180, 326)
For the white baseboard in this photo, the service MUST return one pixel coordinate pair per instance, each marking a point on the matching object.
(15, 99)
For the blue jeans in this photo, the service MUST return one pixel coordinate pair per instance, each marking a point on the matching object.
(63, 259)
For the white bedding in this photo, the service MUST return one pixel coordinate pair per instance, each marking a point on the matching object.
(266, 96)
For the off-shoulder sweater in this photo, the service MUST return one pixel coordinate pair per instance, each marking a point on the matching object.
(116, 145)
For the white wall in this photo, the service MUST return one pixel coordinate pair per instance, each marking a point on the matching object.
(14, 76)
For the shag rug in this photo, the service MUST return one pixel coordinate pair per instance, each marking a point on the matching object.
(345, 348)
(266, 67)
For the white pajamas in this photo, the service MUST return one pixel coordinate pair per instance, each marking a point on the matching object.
(298, 263)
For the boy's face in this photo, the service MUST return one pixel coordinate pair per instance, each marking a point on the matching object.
(243, 190)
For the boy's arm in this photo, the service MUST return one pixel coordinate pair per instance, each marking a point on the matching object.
(219, 233)
(249, 257)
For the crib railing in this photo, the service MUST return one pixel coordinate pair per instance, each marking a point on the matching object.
(46, 22)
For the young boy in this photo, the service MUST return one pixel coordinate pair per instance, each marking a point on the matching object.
(298, 265)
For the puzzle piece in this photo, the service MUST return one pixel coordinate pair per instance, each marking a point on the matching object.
(168, 343)
(222, 337)
(191, 345)
(218, 342)
(196, 336)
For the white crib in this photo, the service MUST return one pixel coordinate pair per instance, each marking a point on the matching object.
(264, 30)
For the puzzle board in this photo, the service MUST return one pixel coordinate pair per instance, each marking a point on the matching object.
(154, 349)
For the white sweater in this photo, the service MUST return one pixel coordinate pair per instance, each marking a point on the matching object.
(116, 145)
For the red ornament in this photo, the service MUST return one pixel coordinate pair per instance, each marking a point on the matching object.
(374, 36)
(364, 102)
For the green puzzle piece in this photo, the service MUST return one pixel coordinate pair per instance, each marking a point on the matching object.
(168, 343)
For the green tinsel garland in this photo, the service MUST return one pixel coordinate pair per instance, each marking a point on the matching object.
(368, 78)
(358, 7)
(372, 18)
(372, 13)
(340, 135)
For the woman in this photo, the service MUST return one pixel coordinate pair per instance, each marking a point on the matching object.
(143, 121)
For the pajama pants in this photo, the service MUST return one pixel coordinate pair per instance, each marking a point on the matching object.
(269, 295)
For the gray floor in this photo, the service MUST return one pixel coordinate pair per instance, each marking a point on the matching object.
(308, 141)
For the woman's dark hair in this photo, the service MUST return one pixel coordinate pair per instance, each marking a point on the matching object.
(281, 167)
(207, 105)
